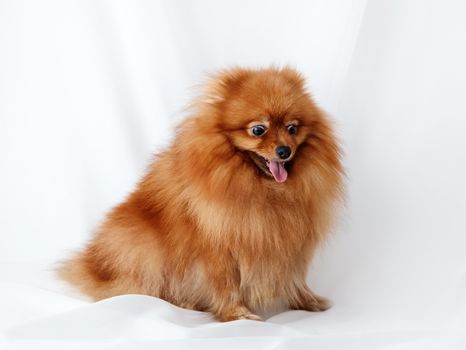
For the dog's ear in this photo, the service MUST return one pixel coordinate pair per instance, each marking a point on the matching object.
(223, 84)
(293, 76)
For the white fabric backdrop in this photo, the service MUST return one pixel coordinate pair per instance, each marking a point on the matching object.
(89, 89)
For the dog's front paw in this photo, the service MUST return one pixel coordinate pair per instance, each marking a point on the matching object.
(236, 313)
(312, 302)
(320, 304)
(249, 316)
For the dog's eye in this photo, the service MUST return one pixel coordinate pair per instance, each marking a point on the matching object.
(258, 130)
(292, 129)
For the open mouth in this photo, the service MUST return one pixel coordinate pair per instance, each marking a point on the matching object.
(276, 169)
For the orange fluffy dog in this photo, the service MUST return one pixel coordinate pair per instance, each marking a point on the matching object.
(226, 219)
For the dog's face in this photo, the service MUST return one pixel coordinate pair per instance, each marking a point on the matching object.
(267, 115)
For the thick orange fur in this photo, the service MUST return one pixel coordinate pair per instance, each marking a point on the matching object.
(206, 228)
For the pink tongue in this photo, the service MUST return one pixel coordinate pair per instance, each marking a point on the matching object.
(278, 170)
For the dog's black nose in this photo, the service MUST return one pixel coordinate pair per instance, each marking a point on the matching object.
(283, 152)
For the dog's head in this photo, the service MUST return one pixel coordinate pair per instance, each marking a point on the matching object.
(266, 114)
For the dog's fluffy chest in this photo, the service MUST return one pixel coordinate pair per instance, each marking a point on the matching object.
(248, 223)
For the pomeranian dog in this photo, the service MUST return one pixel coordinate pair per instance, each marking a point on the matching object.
(226, 219)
